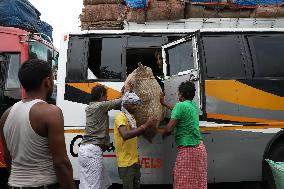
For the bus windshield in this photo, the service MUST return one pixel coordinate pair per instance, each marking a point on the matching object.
(43, 52)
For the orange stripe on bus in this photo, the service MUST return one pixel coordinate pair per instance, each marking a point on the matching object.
(238, 118)
(87, 88)
(238, 93)
(2, 165)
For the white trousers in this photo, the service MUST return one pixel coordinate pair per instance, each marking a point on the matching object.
(93, 174)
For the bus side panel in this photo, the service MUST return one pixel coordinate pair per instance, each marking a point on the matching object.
(156, 159)
(237, 154)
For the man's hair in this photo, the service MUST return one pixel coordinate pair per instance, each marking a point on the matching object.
(32, 73)
(187, 90)
(98, 92)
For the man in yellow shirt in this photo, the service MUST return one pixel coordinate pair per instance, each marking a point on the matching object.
(125, 138)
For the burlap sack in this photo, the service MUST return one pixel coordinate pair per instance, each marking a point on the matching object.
(134, 15)
(241, 13)
(165, 10)
(102, 12)
(147, 88)
(102, 25)
(199, 11)
(268, 12)
(96, 2)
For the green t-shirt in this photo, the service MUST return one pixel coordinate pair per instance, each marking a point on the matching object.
(187, 128)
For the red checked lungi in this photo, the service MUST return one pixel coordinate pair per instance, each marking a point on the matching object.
(190, 171)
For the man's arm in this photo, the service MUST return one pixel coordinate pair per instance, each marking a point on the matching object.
(56, 140)
(169, 128)
(164, 103)
(128, 134)
(7, 156)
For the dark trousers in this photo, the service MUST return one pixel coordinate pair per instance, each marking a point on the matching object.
(130, 176)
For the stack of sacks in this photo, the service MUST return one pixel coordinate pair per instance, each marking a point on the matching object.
(157, 10)
(234, 9)
(215, 11)
(102, 14)
(147, 88)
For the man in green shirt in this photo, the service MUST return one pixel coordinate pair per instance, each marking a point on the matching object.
(190, 169)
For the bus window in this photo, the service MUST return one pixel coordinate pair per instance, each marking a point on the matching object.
(40, 51)
(77, 56)
(181, 58)
(43, 52)
(105, 59)
(14, 65)
(223, 57)
(3, 73)
(267, 55)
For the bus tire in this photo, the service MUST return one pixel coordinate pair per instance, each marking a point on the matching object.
(276, 154)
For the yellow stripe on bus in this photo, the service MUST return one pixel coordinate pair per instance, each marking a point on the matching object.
(238, 93)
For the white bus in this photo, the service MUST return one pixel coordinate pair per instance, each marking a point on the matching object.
(238, 68)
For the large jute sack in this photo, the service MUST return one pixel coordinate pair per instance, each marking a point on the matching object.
(102, 25)
(147, 88)
(199, 11)
(95, 2)
(268, 12)
(102, 12)
(136, 15)
(165, 10)
(241, 13)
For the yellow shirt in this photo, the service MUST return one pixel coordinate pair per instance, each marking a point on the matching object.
(126, 150)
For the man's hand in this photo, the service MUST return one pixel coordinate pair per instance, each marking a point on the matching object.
(127, 87)
(151, 122)
(162, 98)
(104, 147)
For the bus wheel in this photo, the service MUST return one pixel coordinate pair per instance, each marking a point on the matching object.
(276, 154)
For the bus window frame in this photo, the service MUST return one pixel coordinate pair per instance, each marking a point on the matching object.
(242, 49)
(252, 53)
(8, 75)
(85, 63)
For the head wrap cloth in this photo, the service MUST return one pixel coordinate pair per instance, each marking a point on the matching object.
(130, 98)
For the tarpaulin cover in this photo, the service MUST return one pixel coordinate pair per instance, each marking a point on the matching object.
(258, 2)
(22, 14)
(136, 4)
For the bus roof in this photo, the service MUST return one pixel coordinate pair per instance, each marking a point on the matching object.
(194, 24)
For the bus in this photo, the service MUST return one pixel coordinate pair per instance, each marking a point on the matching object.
(17, 46)
(238, 69)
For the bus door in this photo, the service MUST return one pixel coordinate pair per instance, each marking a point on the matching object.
(181, 62)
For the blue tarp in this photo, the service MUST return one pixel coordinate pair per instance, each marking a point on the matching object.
(258, 2)
(22, 14)
(136, 4)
